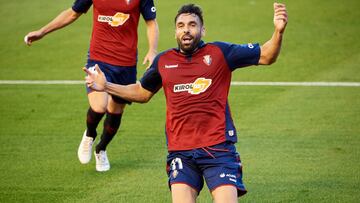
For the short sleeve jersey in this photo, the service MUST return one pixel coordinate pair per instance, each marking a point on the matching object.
(196, 88)
(114, 35)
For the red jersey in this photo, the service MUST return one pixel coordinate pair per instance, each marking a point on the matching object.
(196, 87)
(114, 36)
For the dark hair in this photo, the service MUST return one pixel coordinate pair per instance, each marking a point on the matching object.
(192, 9)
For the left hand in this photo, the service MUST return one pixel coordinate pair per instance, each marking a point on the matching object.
(280, 17)
(149, 58)
(95, 80)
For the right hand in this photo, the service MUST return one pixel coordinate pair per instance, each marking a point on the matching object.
(280, 17)
(95, 80)
(33, 36)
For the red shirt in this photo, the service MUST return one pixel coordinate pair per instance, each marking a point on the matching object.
(114, 36)
(196, 89)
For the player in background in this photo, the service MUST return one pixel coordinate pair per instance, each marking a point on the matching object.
(113, 47)
(196, 79)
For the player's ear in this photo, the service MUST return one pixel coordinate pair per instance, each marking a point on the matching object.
(203, 31)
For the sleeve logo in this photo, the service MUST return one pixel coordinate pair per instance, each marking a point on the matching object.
(116, 20)
(199, 86)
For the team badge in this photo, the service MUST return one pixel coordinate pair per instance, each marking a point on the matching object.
(207, 60)
(128, 2)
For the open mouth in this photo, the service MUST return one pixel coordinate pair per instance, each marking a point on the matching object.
(187, 39)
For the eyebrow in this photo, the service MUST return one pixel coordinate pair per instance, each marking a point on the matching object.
(190, 22)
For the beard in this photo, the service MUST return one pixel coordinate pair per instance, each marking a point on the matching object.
(189, 46)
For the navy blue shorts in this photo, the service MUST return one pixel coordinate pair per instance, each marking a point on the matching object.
(219, 165)
(122, 75)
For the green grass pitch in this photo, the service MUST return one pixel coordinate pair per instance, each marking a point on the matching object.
(297, 144)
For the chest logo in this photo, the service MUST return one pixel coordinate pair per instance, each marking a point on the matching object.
(199, 86)
(207, 60)
(116, 20)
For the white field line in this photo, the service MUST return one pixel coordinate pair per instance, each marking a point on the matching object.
(41, 82)
(315, 84)
(234, 83)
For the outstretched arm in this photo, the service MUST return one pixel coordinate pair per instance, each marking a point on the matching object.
(63, 19)
(135, 92)
(153, 38)
(271, 49)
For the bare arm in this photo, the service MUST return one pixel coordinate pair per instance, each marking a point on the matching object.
(153, 38)
(271, 49)
(135, 92)
(63, 19)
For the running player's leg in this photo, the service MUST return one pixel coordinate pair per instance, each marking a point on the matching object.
(111, 124)
(98, 102)
(182, 193)
(114, 111)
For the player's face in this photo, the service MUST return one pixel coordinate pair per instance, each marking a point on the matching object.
(189, 31)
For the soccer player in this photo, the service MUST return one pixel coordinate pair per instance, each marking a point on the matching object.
(113, 47)
(196, 78)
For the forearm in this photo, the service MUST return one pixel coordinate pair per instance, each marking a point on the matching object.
(63, 19)
(152, 35)
(271, 49)
(132, 93)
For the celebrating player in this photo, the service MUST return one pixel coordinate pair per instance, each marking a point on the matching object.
(113, 47)
(196, 79)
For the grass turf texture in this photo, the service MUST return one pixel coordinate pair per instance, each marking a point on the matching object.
(298, 144)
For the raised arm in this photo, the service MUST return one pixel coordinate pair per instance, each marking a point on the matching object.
(271, 49)
(63, 19)
(153, 38)
(135, 92)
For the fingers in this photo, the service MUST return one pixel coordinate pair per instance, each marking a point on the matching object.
(145, 60)
(279, 9)
(27, 41)
(279, 5)
(89, 81)
(97, 69)
(280, 12)
(87, 71)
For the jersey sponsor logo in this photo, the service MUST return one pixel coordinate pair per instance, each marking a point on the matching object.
(199, 86)
(116, 20)
(207, 60)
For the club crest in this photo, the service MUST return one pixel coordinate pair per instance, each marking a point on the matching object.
(207, 60)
